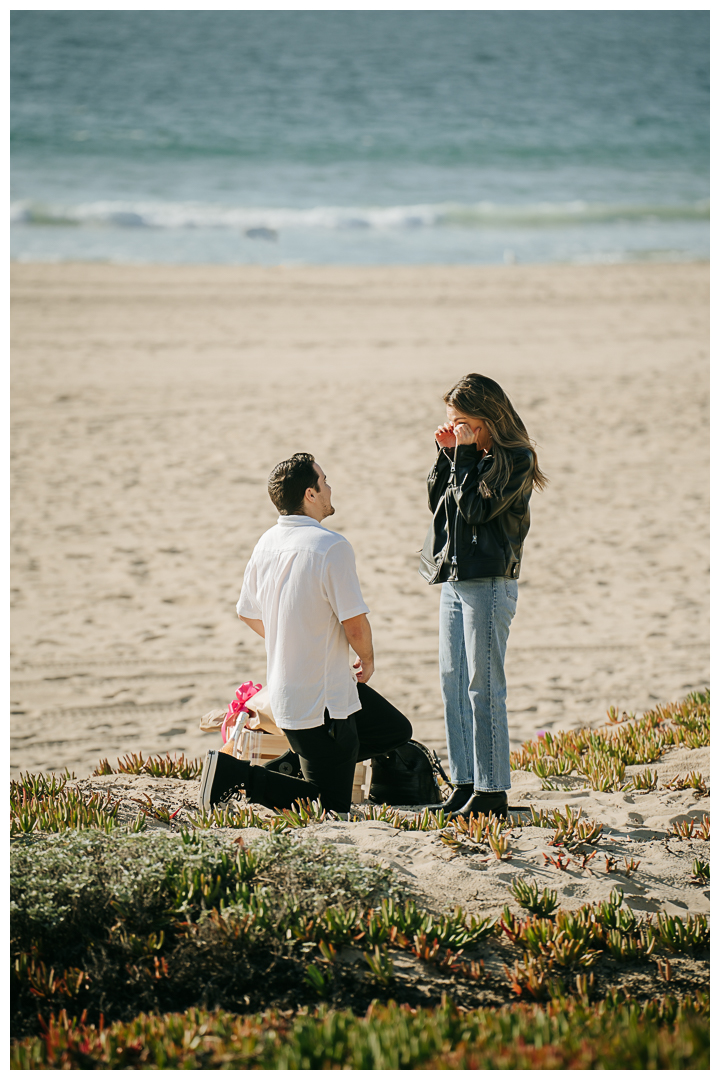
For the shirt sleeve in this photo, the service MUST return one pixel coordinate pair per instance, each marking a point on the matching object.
(248, 605)
(340, 582)
(478, 506)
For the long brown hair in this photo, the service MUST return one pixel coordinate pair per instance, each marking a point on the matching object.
(483, 399)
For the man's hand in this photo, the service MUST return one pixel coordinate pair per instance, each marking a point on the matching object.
(359, 636)
(363, 669)
(445, 436)
(255, 624)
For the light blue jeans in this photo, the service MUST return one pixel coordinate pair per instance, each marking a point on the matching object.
(475, 619)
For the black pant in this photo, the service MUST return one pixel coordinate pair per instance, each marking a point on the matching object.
(329, 753)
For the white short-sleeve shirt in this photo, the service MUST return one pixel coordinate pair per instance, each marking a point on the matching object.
(302, 582)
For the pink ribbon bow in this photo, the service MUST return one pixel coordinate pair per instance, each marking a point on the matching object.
(237, 705)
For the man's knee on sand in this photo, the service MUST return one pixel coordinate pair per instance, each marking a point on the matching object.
(327, 753)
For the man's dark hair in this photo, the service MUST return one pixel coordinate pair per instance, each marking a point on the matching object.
(289, 481)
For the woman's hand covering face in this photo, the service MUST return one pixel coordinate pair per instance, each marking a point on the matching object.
(468, 430)
(445, 436)
(464, 435)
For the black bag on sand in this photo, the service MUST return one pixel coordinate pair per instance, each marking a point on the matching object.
(407, 776)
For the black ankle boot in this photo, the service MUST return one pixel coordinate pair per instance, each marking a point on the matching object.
(484, 802)
(457, 799)
(222, 777)
(288, 764)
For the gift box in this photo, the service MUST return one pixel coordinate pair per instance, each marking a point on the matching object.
(257, 747)
(362, 781)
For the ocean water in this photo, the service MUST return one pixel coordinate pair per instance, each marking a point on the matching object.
(360, 137)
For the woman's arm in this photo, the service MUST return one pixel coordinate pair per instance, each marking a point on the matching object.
(437, 479)
(477, 505)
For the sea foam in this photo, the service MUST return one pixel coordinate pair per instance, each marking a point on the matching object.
(270, 220)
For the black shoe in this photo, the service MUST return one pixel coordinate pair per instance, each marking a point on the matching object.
(484, 802)
(456, 801)
(222, 777)
(288, 764)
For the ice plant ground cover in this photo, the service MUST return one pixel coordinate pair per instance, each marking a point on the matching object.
(147, 936)
(601, 755)
(567, 1033)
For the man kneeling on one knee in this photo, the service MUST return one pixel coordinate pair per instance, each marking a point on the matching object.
(302, 595)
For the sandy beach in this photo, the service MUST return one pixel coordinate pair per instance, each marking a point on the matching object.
(150, 403)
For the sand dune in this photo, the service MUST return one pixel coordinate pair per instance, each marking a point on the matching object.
(150, 403)
(637, 828)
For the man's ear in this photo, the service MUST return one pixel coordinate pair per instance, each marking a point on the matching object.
(310, 492)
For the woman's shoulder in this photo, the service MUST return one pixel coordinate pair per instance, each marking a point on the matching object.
(523, 462)
(522, 454)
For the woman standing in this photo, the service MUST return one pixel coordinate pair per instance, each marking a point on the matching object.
(479, 493)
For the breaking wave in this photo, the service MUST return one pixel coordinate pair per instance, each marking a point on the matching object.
(269, 221)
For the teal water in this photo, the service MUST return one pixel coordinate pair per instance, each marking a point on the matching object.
(360, 137)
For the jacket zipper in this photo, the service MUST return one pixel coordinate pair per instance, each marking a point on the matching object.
(453, 562)
(446, 549)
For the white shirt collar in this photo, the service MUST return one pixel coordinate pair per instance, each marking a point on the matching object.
(293, 521)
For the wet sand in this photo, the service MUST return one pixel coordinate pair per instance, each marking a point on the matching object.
(150, 403)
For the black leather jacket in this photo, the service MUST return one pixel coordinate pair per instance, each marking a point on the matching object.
(475, 534)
